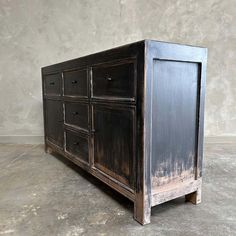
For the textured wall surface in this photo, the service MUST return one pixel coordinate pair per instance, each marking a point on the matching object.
(35, 33)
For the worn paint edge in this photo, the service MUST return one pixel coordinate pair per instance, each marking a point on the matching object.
(22, 139)
(114, 184)
(179, 190)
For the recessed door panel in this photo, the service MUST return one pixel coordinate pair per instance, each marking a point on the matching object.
(54, 121)
(114, 141)
(175, 120)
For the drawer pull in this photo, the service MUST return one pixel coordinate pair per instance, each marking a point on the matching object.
(74, 82)
(76, 143)
(75, 113)
(52, 83)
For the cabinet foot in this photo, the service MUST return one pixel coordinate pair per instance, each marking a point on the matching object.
(48, 150)
(142, 213)
(194, 197)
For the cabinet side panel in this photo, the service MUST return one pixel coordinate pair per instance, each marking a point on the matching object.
(175, 95)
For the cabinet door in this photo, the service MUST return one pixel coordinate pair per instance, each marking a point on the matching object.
(54, 122)
(114, 142)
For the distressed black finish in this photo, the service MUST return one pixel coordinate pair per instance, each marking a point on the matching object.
(77, 114)
(54, 121)
(76, 82)
(114, 80)
(77, 144)
(114, 141)
(133, 117)
(174, 119)
(52, 83)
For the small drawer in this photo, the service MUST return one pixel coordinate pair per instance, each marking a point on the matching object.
(52, 84)
(76, 114)
(77, 145)
(114, 81)
(76, 83)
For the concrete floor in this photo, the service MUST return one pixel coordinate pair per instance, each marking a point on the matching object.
(44, 195)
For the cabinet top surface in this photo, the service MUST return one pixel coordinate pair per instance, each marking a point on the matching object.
(127, 50)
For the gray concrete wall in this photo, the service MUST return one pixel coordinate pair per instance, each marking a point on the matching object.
(35, 33)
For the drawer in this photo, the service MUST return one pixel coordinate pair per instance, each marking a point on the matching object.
(77, 145)
(77, 114)
(76, 83)
(52, 84)
(116, 81)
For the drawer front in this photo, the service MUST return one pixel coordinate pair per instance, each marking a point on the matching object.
(52, 84)
(77, 145)
(114, 81)
(76, 83)
(76, 114)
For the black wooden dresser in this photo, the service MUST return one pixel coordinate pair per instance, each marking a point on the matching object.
(133, 117)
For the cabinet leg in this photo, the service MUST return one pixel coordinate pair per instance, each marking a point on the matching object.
(48, 149)
(142, 212)
(194, 197)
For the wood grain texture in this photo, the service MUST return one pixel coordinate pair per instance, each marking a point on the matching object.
(76, 83)
(174, 112)
(77, 145)
(114, 128)
(114, 80)
(54, 121)
(187, 188)
(77, 114)
(52, 84)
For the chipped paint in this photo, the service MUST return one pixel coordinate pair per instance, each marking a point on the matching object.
(173, 178)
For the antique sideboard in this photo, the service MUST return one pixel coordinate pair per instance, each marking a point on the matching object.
(133, 117)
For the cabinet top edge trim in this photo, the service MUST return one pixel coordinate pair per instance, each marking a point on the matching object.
(106, 63)
(117, 52)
